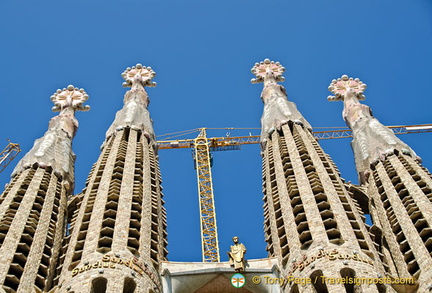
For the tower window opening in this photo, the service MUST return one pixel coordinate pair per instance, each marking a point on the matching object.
(348, 274)
(319, 282)
(126, 133)
(294, 289)
(381, 288)
(129, 285)
(99, 285)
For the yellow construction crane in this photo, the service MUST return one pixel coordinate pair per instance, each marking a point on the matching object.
(209, 236)
(8, 154)
(202, 147)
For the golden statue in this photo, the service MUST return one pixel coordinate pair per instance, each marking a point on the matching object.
(236, 255)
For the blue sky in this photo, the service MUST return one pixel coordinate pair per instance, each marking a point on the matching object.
(202, 53)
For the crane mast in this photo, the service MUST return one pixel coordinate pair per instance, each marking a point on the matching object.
(209, 236)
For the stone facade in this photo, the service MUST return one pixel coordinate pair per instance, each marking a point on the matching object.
(313, 225)
(401, 194)
(118, 227)
(314, 222)
(214, 277)
(32, 214)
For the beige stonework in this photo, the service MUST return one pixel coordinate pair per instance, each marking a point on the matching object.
(33, 206)
(118, 234)
(398, 187)
(401, 190)
(31, 230)
(313, 225)
(314, 222)
(261, 276)
(118, 222)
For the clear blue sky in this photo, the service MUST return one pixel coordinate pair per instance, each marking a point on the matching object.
(202, 52)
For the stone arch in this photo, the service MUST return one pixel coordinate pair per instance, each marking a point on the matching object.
(318, 281)
(129, 285)
(99, 285)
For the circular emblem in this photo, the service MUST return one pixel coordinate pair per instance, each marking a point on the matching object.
(238, 280)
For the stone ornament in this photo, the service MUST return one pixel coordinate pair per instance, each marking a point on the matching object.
(138, 74)
(70, 97)
(372, 141)
(340, 86)
(134, 113)
(54, 148)
(277, 109)
(260, 70)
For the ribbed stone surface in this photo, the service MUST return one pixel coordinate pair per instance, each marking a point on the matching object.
(118, 232)
(313, 225)
(401, 190)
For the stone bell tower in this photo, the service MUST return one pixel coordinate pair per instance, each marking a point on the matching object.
(33, 206)
(313, 223)
(118, 226)
(399, 187)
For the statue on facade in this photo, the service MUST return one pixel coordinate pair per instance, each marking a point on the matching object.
(372, 141)
(277, 109)
(236, 255)
(134, 113)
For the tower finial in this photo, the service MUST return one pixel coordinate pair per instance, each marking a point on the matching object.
(138, 74)
(134, 113)
(70, 97)
(277, 110)
(339, 87)
(372, 141)
(267, 68)
(54, 148)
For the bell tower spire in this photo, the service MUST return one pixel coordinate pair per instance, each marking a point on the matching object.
(399, 187)
(118, 228)
(33, 206)
(277, 109)
(134, 113)
(313, 225)
(372, 140)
